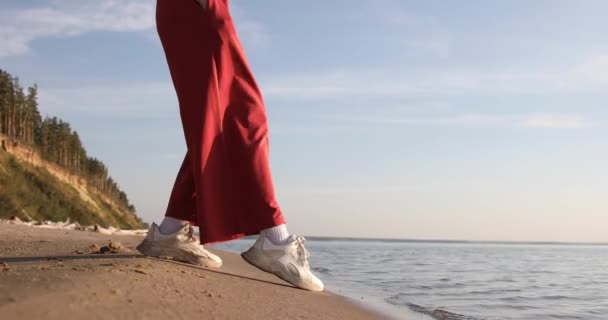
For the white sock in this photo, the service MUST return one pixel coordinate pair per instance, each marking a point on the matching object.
(276, 235)
(171, 225)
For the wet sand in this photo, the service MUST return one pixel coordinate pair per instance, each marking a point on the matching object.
(52, 274)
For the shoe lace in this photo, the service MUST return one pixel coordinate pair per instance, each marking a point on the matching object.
(190, 234)
(192, 239)
(303, 254)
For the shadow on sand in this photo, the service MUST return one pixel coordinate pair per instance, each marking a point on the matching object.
(26, 259)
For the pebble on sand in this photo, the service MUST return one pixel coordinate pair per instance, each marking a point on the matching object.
(112, 247)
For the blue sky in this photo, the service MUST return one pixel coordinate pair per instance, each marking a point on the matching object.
(403, 119)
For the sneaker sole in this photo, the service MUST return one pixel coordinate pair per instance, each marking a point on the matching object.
(279, 270)
(151, 250)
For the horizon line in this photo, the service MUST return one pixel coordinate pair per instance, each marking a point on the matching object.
(504, 242)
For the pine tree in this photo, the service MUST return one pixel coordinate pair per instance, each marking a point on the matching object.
(33, 115)
(20, 120)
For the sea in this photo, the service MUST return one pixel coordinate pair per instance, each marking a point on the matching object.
(463, 280)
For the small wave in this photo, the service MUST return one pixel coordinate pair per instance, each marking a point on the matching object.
(494, 291)
(321, 270)
(408, 294)
(540, 272)
(399, 299)
(439, 314)
(435, 313)
(447, 285)
(422, 287)
(567, 317)
(555, 297)
(438, 286)
(550, 297)
(373, 272)
(513, 299)
(503, 307)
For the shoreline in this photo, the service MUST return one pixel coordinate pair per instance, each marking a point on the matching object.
(47, 272)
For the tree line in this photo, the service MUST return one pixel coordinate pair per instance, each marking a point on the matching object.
(53, 138)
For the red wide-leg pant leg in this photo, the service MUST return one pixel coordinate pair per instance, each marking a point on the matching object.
(182, 202)
(225, 124)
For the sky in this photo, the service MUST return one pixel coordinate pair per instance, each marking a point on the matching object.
(469, 120)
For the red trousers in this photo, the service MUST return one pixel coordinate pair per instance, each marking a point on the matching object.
(224, 185)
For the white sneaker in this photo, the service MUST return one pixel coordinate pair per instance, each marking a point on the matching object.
(288, 261)
(180, 246)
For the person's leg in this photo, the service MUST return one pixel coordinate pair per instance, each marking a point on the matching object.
(226, 131)
(245, 137)
(240, 160)
(224, 122)
(181, 209)
(175, 236)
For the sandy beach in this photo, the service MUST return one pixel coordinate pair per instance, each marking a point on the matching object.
(52, 274)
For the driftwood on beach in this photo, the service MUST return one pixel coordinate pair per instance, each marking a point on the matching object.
(68, 225)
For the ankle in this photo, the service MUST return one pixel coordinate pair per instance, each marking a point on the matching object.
(277, 234)
(171, 225)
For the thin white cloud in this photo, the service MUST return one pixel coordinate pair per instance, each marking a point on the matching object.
(158, 98)
(556, 121)
(415, 32)
(252, 32)
(587, 76)
(66, 18)
(140, 100)
(353, 190)
(528, 120)
(437, 46)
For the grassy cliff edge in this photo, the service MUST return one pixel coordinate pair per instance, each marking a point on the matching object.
(38, 190)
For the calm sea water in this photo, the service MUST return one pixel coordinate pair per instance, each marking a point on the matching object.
(412, 280)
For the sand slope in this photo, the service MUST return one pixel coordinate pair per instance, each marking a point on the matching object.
(41, 277)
